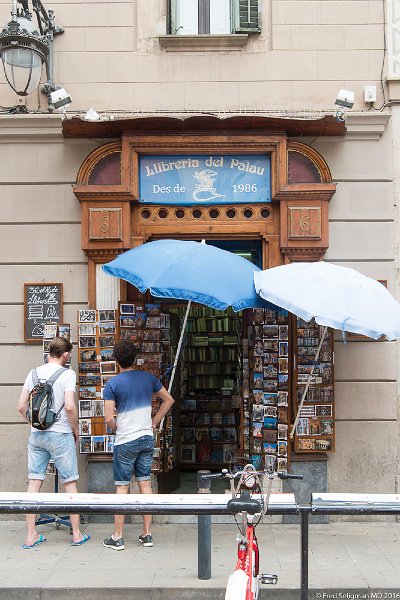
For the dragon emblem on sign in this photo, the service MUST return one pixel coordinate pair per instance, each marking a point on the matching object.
(204, 188)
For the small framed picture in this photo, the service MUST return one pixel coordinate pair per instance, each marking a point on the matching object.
(323, 410)
(87, 393)
(306, 444)
(282, 431)
(283, 348)
(307, 411)
(46, 357)
(258, 380)
(283, 332)
(257, 429)
(282, 398)
(283, 381)
(257, 445)
(188, 453)
(188, 435)
(269, 399)
(270, 423)
(98, 444)
(153, 310)
(106, 354)
(89, 380)
(258, 412)
(258, 349)
(106, 327)
(85, 426)
(271, 331)
(283, 365)
(270, 462)
(282, 448)
(326, 427)
(97, 408)
(46, 345)
(88, 367)
(87, 316)
(269, 447)
(106, 315)
(106, 340)
(85, 408)
(87, 355)
(258, 315)
(109, 443)
(270, 371)
(270, 345)
(282, 464)
(108, 367)
(270, 385)
(258, 396)
(270, 411)
(283, 414)
(87, 341)
(87, 329)
(85, 445)
(50, 330)
(270, 435)
(127, 309)
(303, 427)
(105, 378)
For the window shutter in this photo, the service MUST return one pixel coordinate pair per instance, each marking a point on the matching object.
(246, 18)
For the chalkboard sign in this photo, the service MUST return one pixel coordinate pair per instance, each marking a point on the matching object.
(43, 303)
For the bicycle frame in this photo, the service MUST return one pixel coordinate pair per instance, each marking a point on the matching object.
(247, 587)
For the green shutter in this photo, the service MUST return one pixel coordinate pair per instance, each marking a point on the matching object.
(172, 13)
(246, 17)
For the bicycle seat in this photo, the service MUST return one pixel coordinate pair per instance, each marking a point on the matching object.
(244, 504)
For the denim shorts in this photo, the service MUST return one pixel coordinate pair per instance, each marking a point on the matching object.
(133, 457)
(60, 447)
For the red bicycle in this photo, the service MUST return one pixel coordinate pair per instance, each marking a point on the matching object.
(245, 581)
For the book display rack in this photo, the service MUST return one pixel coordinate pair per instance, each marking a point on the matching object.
(210, 401)
(315, 431)
(266, 385)
(98, 330)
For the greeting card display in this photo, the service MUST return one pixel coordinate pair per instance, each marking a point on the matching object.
(315, 431)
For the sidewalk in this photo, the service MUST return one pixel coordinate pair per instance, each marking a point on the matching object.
(346, 559)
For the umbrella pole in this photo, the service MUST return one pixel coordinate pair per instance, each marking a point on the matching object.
(307, 384)
(178, 351)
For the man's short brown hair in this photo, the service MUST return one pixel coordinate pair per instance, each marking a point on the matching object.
(58, 346)
(125, 353)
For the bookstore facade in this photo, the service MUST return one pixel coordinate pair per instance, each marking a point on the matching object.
(241, 375)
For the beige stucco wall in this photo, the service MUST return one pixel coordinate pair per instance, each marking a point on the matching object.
(110, 58)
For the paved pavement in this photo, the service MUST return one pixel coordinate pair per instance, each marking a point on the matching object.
(346, 560)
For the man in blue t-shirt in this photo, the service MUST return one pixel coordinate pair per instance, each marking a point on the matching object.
(129, 395)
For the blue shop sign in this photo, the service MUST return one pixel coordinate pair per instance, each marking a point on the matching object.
(190, 180)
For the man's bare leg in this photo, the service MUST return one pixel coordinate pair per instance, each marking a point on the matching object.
(71, 488)
(119, 520)
(145, 488)
(32, 535)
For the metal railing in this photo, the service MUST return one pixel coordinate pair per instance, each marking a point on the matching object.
(203, 505)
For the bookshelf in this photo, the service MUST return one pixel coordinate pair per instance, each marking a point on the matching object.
(210, 401)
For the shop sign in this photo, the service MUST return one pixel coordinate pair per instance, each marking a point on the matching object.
(189, 180)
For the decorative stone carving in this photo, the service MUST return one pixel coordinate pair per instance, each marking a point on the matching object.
(304, 222)
(105, 224)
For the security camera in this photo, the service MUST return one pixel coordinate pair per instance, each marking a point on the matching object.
(345, 98)
(60, 99)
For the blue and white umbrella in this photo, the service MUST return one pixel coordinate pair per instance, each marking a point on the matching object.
(193, 271)
(188, 270)
(335, 296)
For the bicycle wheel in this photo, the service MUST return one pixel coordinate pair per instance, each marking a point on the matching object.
(237, 586)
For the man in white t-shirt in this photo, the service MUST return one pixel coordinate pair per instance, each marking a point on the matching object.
(58, 442)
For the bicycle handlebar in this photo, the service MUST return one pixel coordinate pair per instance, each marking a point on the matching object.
(225, 473)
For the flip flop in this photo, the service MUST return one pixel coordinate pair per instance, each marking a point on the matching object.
(40, 540)
(84, 539)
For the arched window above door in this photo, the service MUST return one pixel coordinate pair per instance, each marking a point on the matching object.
(305, 165)
(102, 166)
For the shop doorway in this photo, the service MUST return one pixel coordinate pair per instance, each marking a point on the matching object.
(207, 419)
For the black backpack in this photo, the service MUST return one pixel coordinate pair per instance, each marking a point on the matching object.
(40, 413)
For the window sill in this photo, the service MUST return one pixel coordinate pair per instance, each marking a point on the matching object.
(192, 43)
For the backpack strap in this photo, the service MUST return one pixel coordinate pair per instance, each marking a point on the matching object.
(55, 376)
(35, 378)
(51, 381)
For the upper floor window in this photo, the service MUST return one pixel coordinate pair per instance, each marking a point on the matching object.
(215, 17)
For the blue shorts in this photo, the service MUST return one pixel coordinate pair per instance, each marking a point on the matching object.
(133, 457)
(60, 447)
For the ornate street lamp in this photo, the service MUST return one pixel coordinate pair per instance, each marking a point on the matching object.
(25, 46)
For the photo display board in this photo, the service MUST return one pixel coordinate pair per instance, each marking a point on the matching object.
(43, 305)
